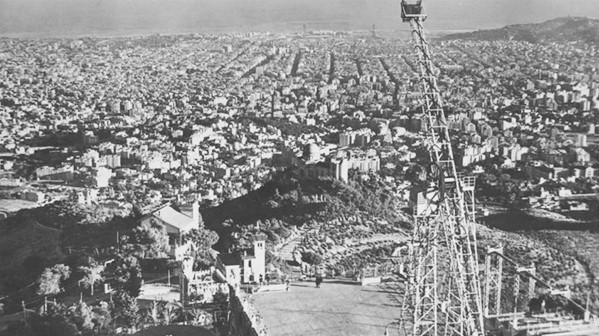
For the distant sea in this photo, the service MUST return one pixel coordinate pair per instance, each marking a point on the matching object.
(74, 18)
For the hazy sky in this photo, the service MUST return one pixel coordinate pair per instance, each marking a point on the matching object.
(115, 17)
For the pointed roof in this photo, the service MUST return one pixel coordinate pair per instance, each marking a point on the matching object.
(174, 218)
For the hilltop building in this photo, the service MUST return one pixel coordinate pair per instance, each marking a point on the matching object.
(245, 266)
(176, 223)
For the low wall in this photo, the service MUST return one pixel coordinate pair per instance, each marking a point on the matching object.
(272, 288)
(158, 289)
(244, 319)
(371, 281)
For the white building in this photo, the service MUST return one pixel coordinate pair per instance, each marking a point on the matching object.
(247, 266)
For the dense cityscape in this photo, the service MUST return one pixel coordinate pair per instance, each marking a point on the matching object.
(238, 163)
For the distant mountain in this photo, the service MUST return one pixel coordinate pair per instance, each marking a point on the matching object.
(562, 30)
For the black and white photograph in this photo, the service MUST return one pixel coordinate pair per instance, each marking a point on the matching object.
(299, 167)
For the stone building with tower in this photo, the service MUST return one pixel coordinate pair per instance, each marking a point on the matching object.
(244, 266)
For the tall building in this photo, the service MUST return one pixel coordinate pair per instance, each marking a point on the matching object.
(100, 177)
(581, 140)
(312, 153)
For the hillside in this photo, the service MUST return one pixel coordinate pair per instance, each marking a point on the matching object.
(27, 239)
(60, 232)
(561, 30)
(347, 227)
(564, 249)
(295, 202)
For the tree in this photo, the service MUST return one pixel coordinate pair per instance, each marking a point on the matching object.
(200, 317)
(102, 319)
(153, 313)
(126, 274)
(51, 325)
(203, 239)
(126, 310)
(170, 313)
(81, 316)
(150, 237)
(93, 273)
(53, 321)
(220, 297)
(51, 279)
(311, 258)
(416, 173)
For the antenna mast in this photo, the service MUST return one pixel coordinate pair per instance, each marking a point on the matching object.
(444, 287)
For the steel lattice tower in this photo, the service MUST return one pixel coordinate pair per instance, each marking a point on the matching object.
(443, 292)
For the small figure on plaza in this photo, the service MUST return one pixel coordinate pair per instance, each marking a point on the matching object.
(318, 280)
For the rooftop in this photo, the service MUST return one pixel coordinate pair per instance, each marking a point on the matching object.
(175, 218)
(230, 259)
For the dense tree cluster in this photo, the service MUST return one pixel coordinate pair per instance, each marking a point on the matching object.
(149, 239)
(78, 319)
(366, 196)
(203, 240)
(125, 311)
(311, 258)
(376, 256)
(124, 273)
(51, 280)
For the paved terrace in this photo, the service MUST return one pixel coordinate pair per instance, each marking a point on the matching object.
(334, 309)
